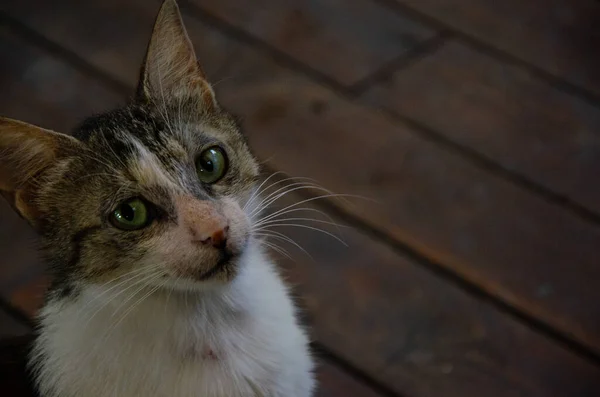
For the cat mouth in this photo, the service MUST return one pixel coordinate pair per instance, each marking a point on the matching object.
(225, 263)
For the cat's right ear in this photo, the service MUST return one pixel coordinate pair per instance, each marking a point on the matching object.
(25, 152)
(171, 70)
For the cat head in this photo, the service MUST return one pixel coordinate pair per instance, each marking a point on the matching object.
(154, 190)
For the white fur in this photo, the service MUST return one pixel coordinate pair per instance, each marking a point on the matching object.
(239, 339)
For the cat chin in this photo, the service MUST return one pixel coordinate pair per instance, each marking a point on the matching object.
(221, 274)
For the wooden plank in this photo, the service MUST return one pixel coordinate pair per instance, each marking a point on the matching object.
(333, 382)
(28, 296)
(505, 113)
(13, 333)
(385, 314)
(14, 380)
(60, 102)
(10, 326)
(557, 36)
(16, 254)
(344, 40)
(112, 34)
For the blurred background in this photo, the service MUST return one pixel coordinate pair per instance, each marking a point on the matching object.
(474, 124)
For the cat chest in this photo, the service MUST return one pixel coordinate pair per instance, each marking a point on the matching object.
(142, 366)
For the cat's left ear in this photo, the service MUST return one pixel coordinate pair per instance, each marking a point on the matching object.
(171, 70)
(26, 151)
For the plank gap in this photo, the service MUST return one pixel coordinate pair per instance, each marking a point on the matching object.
(59, 51)
(325, 354)
(16, 313)
(242, 36)
(486, 163)
(421, 50)
(501, 55)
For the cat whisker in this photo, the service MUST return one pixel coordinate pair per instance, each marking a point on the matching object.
(281, 192)
(137, 303)
(281, 236)
(222, 80)
(301, 183)
(303, 209)
(321, 197)
(131, 308)
(258, 190)
(280, 181)
(305, 227)
(130, 276)
(278, 249)
(279, 220)
(136, 280)
(144, 279)
(144, 284)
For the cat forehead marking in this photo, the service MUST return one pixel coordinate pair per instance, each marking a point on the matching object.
(148, 170)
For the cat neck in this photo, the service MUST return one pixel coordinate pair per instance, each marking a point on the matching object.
(126, 312)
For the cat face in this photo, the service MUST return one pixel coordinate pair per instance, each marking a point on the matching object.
(152, 192)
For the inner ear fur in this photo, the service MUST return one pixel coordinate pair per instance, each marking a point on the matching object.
(26, 151)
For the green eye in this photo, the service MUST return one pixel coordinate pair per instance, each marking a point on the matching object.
(132, 214)
(211, 165)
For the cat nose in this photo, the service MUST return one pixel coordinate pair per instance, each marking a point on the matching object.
(218, 238)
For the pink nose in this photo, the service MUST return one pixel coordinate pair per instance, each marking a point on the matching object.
(218, 238)
(204, 223)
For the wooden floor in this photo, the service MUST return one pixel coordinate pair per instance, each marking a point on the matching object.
(474, 124)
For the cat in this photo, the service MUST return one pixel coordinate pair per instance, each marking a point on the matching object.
(147, 216)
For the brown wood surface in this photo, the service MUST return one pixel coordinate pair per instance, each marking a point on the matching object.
(333, 382)
(389, 317)
(16, 241)
(28, 297)
(560, 37)
(9, 326)
(344, 40)
(505, 113)
(14, 378)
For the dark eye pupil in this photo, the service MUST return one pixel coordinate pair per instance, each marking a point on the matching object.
(207, 165)
(127, 212)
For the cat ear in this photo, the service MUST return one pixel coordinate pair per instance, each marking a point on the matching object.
(171, 69)
(26, 151)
